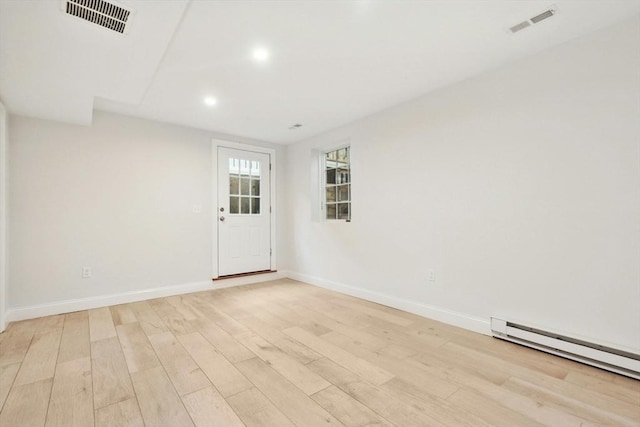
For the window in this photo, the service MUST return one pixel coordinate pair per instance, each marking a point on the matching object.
(337, 184)
(244, 187)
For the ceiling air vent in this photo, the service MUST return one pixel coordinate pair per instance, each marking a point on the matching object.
(539, 17)
(99, 12)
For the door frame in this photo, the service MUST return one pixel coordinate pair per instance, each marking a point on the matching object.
(217, 143)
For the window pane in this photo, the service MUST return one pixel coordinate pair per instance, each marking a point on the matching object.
(255, 187)
(255, 205)
(255, 168)
(234, 166)
(233, 184)
(343, 193)
(343, 211)
(331, 176)
(331, 211)
(244, 185)
(244, 205)
(342, 176)
(343, 155)
(331, 194)
(245, 167)
(233, 205)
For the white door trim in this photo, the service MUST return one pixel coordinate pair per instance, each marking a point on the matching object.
(216, 143)
(4, 173)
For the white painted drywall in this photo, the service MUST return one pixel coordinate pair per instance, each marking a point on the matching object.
(3, 213)
(117, 196)
(520, 188)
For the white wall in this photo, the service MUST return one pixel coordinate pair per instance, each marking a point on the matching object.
(116, 196)
(3, 212)
(519, 187)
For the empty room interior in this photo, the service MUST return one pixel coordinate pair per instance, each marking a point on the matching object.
(306, 213)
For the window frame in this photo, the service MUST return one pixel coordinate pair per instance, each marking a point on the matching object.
(323, 184)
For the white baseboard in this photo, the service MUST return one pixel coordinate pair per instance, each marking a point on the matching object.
(461, 320)
(68, 306)
(450, 317)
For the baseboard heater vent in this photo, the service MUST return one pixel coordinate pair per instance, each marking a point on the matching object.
(616, 360)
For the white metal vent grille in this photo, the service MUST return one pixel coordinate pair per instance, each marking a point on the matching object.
(100, 12)
(536, 19)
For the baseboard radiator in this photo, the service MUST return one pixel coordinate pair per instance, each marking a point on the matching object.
(623, 362)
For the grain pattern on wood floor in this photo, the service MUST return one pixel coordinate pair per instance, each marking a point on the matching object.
(284, 353)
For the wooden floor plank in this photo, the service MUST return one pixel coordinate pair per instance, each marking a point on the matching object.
(209, 409)
(149, 321)
(111, 382)
(122, 314)
(159, 403)
(27, 404)
(346, 409)
(71, 403)
(7, 375)
(492, 412)
(224, 376)
(121, 414)
(223, 342)
(256, 410)
(101, 324)
(137, 349)
(17, 341)
(173, 319)
(75, 342)
(296, 405)
(301, 376)
(357, 365)
(185, 374)
(40, 361)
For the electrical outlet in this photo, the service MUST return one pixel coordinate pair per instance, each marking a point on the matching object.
(197, 209)
(431, 276)
(86, 272)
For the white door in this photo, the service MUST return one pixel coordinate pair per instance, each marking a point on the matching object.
(244, 211)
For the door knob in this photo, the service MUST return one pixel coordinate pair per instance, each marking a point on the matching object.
(222, 218)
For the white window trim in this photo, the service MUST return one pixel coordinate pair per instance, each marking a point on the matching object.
(322, 180)
(217, 143)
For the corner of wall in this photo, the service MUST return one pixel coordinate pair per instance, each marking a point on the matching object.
(461, 320)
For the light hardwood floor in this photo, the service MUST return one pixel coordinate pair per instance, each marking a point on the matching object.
(284, 353)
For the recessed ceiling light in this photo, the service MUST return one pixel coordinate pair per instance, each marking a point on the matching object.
(260, 54)
(210, 101)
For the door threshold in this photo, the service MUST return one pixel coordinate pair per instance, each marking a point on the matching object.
(252, 273)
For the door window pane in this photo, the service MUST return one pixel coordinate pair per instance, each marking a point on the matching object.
(234, 184)
(255, 168)
(233, 205)
(244, 185)
(255, 205)
(255, 187)
(244, 205)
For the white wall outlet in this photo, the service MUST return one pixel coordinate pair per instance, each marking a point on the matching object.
(197, 209)
(431, 275)
(86, 272)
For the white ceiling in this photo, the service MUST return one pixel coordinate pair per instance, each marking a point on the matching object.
(330, 63)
